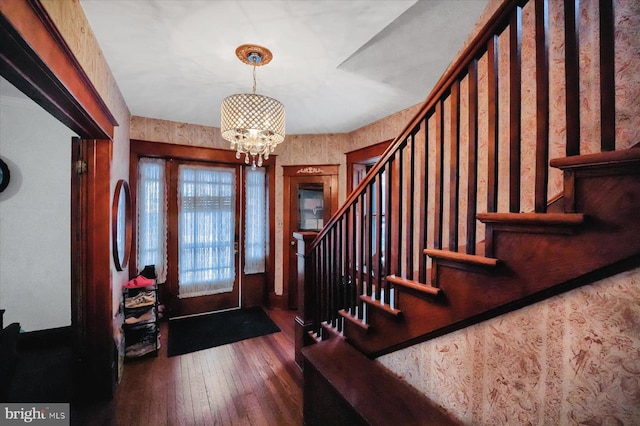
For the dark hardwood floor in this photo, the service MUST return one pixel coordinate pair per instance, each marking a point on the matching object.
(251, 382)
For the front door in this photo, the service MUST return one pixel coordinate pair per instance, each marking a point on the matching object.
(204, 207)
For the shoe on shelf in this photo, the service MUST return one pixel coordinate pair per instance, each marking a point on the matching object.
(140, 299)
(144, 317)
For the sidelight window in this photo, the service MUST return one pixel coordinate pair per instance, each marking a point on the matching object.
(152, 208)
(256, 221)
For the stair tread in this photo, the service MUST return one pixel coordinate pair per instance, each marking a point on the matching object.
(353, 319)
(382, 306)
(533, 218)
(314, 336)
(374, 392)
(461, 257)
(333, 332)
(630, 155)
(414, 285)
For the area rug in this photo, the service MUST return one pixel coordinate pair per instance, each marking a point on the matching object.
(207, 331)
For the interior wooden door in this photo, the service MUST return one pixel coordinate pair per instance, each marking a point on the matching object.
(311, 198)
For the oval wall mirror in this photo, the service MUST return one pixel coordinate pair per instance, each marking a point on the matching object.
(4, 176)
(121, 211)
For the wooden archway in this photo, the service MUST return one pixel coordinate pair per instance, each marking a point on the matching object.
(35, 58)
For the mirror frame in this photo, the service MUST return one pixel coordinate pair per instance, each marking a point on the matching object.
(121, 260)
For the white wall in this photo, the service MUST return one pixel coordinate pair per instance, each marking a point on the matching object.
(35, 261)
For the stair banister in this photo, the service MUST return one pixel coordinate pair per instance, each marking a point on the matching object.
(412, 200)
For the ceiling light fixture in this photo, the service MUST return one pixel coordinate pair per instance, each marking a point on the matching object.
(254, 124)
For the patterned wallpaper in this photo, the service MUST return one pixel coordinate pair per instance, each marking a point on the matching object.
(571, 359)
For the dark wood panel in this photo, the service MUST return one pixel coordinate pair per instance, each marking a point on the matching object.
(398, 200)
(472, 184)
(515, 107)
(411, 199)
(572, 74)
(607, 77)
(36, 59)
(98, 357)
(437, 185)
(366, 155)
(542, 105)
(343, 387)
(391, 232)
(424, 203)
(454, 168)
(492, 124)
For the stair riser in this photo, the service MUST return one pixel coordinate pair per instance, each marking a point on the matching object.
(418, 318)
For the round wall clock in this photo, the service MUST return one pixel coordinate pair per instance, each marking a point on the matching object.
(4, 175)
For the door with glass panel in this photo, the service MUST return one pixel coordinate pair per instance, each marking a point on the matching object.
(189, 217)
(205, 220)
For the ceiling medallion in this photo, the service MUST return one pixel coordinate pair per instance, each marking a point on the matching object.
(245, 51)
(254, 124)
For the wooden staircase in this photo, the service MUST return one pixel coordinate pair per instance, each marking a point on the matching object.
(436, 238)
(529, 256)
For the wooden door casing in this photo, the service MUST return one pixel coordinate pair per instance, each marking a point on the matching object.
(36, 59)
(254, 287)
(293, 176)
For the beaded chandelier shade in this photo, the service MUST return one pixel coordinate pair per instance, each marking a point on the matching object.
(254, 124)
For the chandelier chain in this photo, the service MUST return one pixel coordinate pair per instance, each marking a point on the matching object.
(254, 78)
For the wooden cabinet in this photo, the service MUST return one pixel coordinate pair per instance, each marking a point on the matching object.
(310, 199)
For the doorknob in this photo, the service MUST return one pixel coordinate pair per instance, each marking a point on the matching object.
(293, 243)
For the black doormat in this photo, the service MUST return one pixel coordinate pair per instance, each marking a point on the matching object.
(207, 331)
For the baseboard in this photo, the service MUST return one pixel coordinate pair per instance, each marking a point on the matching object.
(278, 301)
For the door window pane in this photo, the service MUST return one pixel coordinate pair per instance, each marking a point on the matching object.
(206, 230)
(310, 207)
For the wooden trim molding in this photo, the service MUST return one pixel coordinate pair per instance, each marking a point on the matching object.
(35, 58)
(294, 174)
(55, 79)
(363, 156)
(319, 170)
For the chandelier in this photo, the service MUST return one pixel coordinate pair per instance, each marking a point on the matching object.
(254, 124)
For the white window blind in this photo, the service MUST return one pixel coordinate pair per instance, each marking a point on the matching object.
(206, 230)
(152, 208)
(256, 230)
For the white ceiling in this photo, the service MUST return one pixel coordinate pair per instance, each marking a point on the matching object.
(337, 64)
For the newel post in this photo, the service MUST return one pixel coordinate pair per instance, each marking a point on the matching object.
(306, 290)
